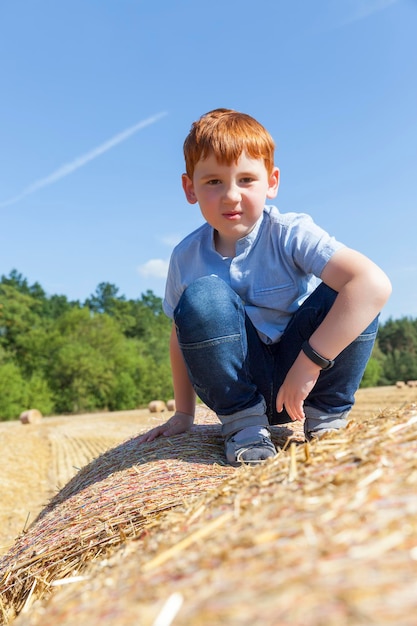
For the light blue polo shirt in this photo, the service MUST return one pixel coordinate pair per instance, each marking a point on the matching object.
(277, 265)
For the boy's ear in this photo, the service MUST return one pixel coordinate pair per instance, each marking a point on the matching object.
(187, 185)
(273, 183)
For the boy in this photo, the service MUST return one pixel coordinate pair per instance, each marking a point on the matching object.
(274, 320)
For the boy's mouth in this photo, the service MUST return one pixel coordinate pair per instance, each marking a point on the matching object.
(232, 215)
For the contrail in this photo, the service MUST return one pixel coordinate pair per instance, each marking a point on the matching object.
(367, 8)
(71, 167)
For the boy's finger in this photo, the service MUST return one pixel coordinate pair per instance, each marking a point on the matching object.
(169, 431)
(149, 436)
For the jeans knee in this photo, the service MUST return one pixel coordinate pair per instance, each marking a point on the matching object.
(205, 298)
(205, 286)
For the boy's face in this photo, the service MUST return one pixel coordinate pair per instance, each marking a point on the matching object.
(231, 197)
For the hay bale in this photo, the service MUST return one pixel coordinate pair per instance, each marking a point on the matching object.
(32, 416)
(324, 533)
(171, 405)
(113, 498)
(400, 384)
(157, 406)
(119, 496)
(411, 383)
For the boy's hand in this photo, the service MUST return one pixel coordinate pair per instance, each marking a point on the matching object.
(178, 423)
(297, 385)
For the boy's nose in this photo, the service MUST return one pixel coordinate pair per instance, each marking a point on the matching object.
(232, 193)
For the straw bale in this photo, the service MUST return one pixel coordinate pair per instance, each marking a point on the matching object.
(171, 405)
(32, 416)
(157, 406)
(324, 533)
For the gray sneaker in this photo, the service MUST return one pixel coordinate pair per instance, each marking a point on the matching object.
(318, 423)
(250, 450)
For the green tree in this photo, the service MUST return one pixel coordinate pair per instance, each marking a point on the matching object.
(81, 369)
(17, 281)
(18, 314)
(95, 365)
(59, 356)
(398, 342)
(13, 391)
(104, 299)
(39, 395)
(372, 373)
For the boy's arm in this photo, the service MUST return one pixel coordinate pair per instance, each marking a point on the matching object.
(363, 289)
(184, 395)
(183, 390)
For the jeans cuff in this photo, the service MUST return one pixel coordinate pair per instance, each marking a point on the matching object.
(253, 416)
(318, 422)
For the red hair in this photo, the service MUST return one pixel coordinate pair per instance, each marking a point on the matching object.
(226, 134)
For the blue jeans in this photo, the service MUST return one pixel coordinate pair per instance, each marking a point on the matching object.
(232, 370)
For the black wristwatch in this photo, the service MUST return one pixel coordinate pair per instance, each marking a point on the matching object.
(314, 356)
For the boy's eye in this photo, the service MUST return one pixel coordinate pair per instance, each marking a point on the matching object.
(246, 180)
(213, 181)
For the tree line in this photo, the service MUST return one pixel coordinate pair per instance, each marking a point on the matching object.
(112, 353)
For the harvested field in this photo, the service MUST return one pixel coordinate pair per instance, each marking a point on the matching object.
(38, 460)
(325, 533)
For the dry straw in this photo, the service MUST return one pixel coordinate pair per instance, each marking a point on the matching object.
(323, 534)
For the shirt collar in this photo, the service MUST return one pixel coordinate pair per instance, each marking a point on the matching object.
(245, 242)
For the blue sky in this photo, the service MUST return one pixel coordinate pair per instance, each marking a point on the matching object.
(97, 97)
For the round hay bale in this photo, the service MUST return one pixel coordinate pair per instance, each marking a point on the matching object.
(32, 416)
(171, 405)
(114, 498)
(341, 528)
(157, 406)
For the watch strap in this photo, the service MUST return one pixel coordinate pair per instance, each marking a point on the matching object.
(314, 356)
